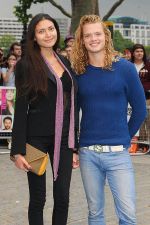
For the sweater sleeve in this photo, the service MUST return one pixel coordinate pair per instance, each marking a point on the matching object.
(136, 99)
(20, 118)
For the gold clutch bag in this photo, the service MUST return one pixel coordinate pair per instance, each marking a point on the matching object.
(37, 159)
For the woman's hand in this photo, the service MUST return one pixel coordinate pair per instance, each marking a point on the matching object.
(75, 163)
(21, 163)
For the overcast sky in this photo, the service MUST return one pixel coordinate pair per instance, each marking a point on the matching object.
(135, 8)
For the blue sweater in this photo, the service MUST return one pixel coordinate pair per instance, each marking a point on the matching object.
(103, 96)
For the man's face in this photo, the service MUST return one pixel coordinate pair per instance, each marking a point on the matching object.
(7, 124)
(68, 50)
(127, 54)
(1, 54)
(138, 54)
(94, 37)
(17, 50)
(70, 42)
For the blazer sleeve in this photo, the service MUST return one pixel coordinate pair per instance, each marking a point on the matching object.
(20, 117)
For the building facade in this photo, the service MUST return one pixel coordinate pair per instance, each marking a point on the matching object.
(11, 26)
(133, 29)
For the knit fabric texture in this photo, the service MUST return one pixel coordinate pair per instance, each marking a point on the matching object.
(103, 97)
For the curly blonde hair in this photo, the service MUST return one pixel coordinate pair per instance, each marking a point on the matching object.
(79, 58)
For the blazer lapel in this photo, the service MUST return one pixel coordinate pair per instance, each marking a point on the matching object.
(50, 75)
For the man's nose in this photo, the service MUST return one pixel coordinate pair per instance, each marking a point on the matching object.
(93, 37)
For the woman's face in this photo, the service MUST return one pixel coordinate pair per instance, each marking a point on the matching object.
(10, 95)
(0, 94)
(45, 34)
(138, 54)
(12, 60)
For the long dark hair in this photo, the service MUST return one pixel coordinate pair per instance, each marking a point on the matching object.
(138, 46)
(36, 71)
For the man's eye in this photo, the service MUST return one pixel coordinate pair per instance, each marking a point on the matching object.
(87, 36)
(98, 34)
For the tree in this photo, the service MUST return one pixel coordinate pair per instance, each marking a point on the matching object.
(79, 8)
(147, 48)
(6, 41)
(120, 43)
(21, 13)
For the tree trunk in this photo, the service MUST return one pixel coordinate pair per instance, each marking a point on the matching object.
(80, 8)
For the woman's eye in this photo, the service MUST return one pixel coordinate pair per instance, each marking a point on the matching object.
(51, 28)
(41, 31)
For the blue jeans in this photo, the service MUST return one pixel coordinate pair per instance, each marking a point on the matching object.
(117, 167)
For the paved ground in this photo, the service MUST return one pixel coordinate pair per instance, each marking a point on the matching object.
(14, 195)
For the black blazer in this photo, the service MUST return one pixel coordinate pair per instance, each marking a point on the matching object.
(36, 118)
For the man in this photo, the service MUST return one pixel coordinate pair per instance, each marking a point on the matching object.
(1, 56)
(106, 84)
(15, 48)
(127, 53)
(2, 62)
(68, 49)
(69, 41)
(7, 123)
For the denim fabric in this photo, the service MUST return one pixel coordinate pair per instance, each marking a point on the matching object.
(117, 167)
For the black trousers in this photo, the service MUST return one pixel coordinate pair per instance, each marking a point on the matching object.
(37, 184)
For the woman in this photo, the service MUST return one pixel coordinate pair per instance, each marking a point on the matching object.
(8, 75)
(44, 117)
(142, 66)
(9, 110)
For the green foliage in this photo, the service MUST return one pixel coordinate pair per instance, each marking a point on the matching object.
(5, 42)
(61, 43)
(120, 43)
(147, 48)
(21, 10)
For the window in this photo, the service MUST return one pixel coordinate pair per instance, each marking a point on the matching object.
(137, 33)
(143, 33)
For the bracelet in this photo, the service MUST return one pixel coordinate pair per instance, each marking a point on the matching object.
(14, 157)
(75, 151)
